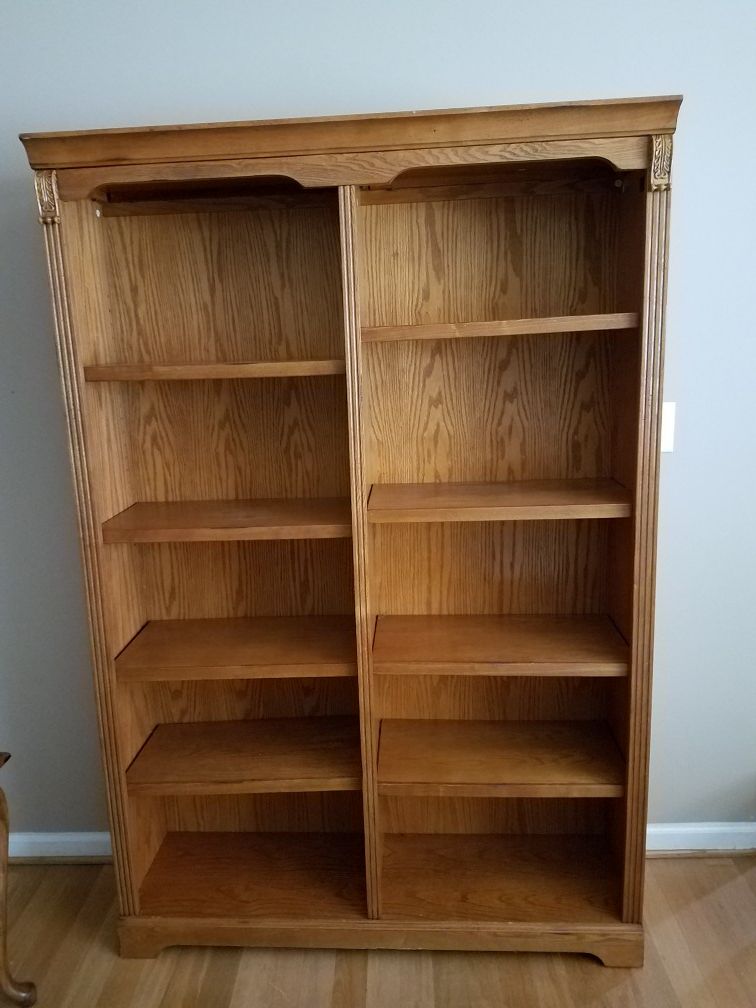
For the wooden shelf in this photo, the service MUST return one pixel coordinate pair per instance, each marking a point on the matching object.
(526, 501)
(522, 759)
(194, 372)
(213, 521)
(469, 877)
(249, 757)
(504, 327)
(269, 647)
(257, 875)
(499, 645)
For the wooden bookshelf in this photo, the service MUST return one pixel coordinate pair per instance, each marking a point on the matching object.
(504, 759)
(214, 521)
(249, 757)
(372, 637)
(499, 645)
(272, 647)
(529, 500)
(503, 327)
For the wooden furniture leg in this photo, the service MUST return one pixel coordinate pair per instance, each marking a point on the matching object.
(19, 993)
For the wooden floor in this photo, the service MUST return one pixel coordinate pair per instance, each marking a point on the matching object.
(701, 953)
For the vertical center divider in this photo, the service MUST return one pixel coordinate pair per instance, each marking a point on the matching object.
(348, 204)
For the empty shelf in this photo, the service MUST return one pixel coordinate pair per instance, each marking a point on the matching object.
(257, 648)
(212, 521)
(499, 645)
(523, 759)
(253, 875)
(249, 757)
(470, 877)
(525, 501)
(212, 370)
(503, 327)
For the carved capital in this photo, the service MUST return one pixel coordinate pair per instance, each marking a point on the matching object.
(661, 162)
(47, 196)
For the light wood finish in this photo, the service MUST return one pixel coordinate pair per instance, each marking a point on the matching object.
(499, 645)
(466, 345)
(499, 878)
(248, 875)
(348, 206)
(509, 327)
(501, 698)
(272, 647)
(644, 537)
(213, 521)
(468, 568)
(392, 130)
(527, 501)
(21, 993)
(196, 372)
(505, 759)
(244, 757)
(625, 153)
(700, 927)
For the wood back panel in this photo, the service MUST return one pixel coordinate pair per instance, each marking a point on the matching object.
(256, 285)
(476, 259)
(490, 567)
(489, 409)
(216, 440)
(495, 815)
(492, 698)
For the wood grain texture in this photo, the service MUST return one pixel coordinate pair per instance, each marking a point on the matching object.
(644, 569)
(363, 606)
(145, 705)
(490, 259)
(212, 521)
(499, 645)
(196, 372)
(516, 816)
(284, 438)
(620, 117)
(244, 757)
(63, 268)
(217, 287)
(499, 878)
(273, 647)
(503, 698)
(533, 408)
(273, 875)
(279, 577)
(529, 500)
(533, 759)
(347, 169)
(490, 568)
(504, 327)
(521, 381)
(281, 812)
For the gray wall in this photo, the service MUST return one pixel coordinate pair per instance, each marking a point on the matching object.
(83, 64)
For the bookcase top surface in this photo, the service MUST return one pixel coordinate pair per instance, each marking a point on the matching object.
(353, 133)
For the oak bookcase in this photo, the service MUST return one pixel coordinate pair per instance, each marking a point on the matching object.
(364, 425)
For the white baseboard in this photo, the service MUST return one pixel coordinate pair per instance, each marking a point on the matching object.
(59, 845)
(701, 836)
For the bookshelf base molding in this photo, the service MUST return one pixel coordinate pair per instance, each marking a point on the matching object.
(613, 945)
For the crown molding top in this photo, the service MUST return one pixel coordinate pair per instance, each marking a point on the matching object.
(354, 133)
